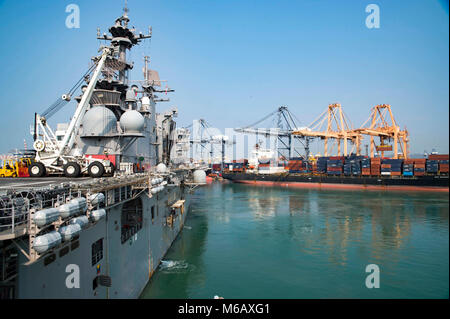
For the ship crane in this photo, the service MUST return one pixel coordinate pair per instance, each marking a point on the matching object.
(338, 128)
(286, 125)
(381, 123)
(50, 153)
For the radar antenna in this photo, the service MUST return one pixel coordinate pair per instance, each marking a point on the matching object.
(125, 9)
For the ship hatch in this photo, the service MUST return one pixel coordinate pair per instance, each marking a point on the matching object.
(131, 219)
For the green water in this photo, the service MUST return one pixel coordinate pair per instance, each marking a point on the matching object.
(243, 241)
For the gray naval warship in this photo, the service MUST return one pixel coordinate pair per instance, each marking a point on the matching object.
(104, 201)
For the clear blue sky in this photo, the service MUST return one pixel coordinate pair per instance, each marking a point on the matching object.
(234, 61)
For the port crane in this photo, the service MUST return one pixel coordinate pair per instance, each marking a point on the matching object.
(287, 123)
(338, 128)
(203, 136)
(381, 123)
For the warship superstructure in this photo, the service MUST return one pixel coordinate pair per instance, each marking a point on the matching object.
(103, 202)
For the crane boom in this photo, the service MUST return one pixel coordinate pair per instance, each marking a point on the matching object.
(263, 131)
(68, 139)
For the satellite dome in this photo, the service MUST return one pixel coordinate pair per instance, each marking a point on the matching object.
(98, 121)
(132, 122)
(199, 176)
(161, 168)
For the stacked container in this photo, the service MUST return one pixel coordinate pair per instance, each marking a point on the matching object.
(432, 166)
(365, 166)
(391, 167)
(438, 157)
(238, 167)
(283, 163)
(419, 166)
(347, 168)
(408, 167)
(355, 164)
(314, 167)
(375, 165)
(241, 161)
(443, 167)
(334, 166)
(322, 164)
(295, 165)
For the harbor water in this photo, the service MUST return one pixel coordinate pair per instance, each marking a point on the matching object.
(242, 241)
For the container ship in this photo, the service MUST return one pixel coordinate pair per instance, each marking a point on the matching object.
(103, 201)
(345, 172)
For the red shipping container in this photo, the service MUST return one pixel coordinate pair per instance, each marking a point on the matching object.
(438, 157)
(337, 158)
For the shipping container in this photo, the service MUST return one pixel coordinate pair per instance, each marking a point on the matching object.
(438, 157)
(407, 173)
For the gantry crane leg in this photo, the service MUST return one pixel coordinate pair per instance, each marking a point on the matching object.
(396, 143)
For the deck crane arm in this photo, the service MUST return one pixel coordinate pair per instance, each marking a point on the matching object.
(68, 139)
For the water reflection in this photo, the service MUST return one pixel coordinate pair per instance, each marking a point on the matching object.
(377, 223)
(273, 242)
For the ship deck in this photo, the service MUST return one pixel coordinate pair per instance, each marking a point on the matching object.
(30, 182)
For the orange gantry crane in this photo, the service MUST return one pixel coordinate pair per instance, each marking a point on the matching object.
(381, 123)
(339, 128)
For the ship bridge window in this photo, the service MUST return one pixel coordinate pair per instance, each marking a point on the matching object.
(131, 219)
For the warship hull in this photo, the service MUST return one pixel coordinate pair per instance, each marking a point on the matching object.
(126, 257)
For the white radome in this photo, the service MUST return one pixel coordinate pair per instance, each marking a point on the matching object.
(199, 176)
(98, 121)
(161, 168)
(132, 122)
